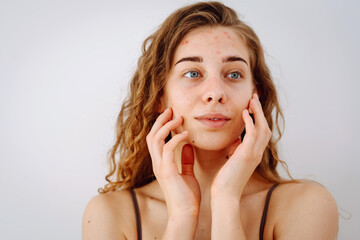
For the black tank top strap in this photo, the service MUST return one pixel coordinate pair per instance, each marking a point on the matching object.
(262, 224)
(137, 213)
(266, 207)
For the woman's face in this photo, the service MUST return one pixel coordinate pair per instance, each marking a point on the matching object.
(209, 85)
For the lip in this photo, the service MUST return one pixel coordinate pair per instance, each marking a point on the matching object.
(213, 120)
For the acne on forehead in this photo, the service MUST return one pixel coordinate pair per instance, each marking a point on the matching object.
(227, 35)
(217, 34)
(208, 30)
(184, 42)
(232, 36)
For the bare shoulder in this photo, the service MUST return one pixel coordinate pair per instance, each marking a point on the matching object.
(304, 210)
(109, 216)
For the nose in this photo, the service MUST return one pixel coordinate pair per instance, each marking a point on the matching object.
(214, 91)
(214, 99)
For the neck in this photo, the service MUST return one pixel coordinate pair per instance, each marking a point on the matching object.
(208, 163)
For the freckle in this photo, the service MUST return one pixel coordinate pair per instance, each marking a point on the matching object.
(202, 230)
(193, 141)
(89, 221)
(233, 45)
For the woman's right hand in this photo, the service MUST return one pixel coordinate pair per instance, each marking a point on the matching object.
(181, 190)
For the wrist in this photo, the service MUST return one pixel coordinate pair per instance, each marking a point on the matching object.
(183, 213)
(181, 227)
(219, 194)
(224, 202)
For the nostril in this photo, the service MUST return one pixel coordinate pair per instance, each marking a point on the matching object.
(209, 99)
(220, 100)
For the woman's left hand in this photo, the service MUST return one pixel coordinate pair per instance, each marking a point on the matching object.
(244, 156)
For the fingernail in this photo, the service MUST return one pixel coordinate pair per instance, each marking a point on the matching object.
(246, 111)
(256, 96)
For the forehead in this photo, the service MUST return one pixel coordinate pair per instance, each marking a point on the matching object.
(207, 40)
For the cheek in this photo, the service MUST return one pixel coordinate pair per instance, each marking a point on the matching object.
(241, 100)
(180, 103)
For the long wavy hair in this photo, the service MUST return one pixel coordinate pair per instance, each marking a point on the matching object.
(130, 161)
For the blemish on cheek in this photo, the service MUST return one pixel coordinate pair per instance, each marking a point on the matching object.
(193, 141)
(89, 221)
(218, 52)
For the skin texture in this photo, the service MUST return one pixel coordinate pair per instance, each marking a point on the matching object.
(189, 97)
(206, 187)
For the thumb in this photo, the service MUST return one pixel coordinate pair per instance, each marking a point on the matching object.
(187, 160)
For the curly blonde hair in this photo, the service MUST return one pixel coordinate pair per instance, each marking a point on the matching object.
(130, 161)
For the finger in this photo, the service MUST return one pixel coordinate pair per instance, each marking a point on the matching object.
(167, 128)
(248, 142)
(250, 134)
(263, 130)
(256, 109)
(169, 147)
(187, 160)
(160, 121)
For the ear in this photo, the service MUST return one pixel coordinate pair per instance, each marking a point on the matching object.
(255, 91)
(161, 105)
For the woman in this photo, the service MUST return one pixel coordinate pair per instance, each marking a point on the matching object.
(203, 99)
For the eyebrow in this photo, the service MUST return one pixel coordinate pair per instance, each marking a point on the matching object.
(199, 59)
(234, 59)
(190, 59)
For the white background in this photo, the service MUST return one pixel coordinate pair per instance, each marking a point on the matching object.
(64, 70)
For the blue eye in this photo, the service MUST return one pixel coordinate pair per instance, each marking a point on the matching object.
(234, 75)
(192, 74)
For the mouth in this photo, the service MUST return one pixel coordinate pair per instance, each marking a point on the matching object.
(213, 120)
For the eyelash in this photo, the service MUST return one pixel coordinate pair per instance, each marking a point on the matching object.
(237, 72)
(199, 74)
(190, 71)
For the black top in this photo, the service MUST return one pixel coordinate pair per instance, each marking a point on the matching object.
(266, 207)
(262, 224)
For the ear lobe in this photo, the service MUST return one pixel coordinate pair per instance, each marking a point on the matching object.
(161, 106)
(255, 91)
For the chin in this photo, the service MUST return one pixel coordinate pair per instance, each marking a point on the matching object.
(211, 143)
(209, 147)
